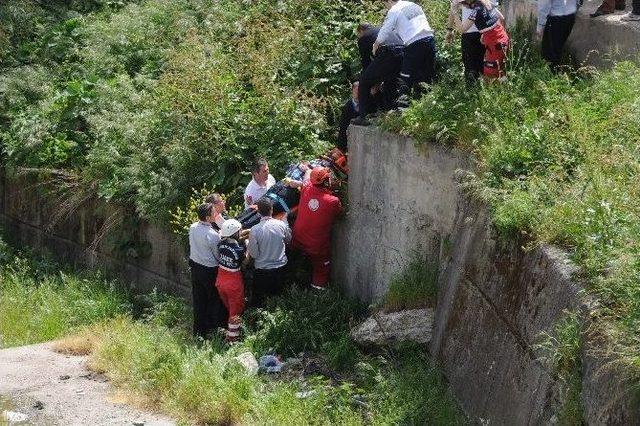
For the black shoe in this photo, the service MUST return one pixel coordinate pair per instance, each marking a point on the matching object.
(599, 12)
(360, 121)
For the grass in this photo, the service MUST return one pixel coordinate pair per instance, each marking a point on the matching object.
(415, 287)
(558, 162)
(39, 302)
(144, 346)
(561, 352)
(204, 384)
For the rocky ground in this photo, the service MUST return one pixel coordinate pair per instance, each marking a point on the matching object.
(51, 389)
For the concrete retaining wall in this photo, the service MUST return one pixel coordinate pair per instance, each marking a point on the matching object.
(495, 299)
(593, 41)
(27, 219)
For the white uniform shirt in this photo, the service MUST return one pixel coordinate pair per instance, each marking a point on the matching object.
(203, 244)
(466, 12)
(408, 21)
(548, 8)
(254, 192)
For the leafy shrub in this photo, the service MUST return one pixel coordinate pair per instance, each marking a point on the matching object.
(303, 320)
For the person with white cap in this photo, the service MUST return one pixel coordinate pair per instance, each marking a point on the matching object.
(230, 284)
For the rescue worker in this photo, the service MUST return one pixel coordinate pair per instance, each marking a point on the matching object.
(260, 183)
(317, 211)
(230, 284)
(555, 22)
(208, 311)
(220, 209)
(267, 244)
(407, 21)
(349, 112)
(379, 77)
(472, 48)
(489, 21)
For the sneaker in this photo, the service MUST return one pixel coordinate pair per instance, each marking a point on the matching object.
(317, 287)
(630, 17)
(360, 121)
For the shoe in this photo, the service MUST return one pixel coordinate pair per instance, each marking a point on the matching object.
(630, 17)
(360, 121)
(621, 6)
(599, 12)
(403, 102)
(317, 287)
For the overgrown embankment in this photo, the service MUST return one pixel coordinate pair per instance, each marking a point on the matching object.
(557, 160)
(144, 346)
(138, 102)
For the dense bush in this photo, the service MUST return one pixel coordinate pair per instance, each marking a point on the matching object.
(144, 101)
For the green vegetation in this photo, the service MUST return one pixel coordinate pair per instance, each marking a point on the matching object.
(206, 385)
(146, 349)
(416, 287)
(40, 302)
(557, 160)
(138, 102)
(561, 353)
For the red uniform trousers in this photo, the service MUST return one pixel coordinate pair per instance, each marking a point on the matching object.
(230, 286)
(321, 265)
(496, 43)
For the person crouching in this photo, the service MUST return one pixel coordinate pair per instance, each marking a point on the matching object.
(229, 282)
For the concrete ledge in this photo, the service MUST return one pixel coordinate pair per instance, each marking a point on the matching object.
(595, 42)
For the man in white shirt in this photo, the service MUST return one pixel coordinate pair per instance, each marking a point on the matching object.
(555, 22)
(208, 310)
(408, 21)
(260, 183)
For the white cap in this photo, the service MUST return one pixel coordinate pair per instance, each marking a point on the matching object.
(230, 227)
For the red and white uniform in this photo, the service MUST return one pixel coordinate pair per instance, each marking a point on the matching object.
(317, 211)
(230, 284)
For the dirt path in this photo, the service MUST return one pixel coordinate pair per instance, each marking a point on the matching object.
(57, 389)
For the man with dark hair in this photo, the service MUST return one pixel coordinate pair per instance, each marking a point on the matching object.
(381, 66)
(260, 183)
(267, 243)
(208, 311)
(220, 209)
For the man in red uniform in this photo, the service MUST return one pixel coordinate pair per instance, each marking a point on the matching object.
(317, 211)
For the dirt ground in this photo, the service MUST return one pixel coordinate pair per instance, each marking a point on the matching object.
(55, 389)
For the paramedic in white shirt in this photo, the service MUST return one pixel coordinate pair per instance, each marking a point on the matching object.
(408, 21)
(260, 183)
